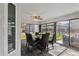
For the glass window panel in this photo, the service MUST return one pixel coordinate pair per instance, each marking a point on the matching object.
(11, 27)
(43, 28)
(36, 28)
(62, 32)
(74, 33)
(27, 28)
(31, 29)
(50, 29)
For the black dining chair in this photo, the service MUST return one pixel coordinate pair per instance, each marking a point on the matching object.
(31, 44)
(44, 42)
(53, 39)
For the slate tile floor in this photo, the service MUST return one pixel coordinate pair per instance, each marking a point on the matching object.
(58, 50)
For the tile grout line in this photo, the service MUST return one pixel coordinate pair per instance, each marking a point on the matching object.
(62, 52)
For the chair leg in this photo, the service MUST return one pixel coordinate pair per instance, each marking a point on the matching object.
(52, 46)
(47, 48)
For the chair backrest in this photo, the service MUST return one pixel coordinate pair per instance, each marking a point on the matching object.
(29, 39)
(53, 37)
(44, 40)
(37, 33)
(47, 35)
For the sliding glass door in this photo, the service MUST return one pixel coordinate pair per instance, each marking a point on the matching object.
(62, 32)
(74, 33)
(44, 28)
(50, 30)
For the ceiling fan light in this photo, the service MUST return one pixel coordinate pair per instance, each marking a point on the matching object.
(35, 19)
(41, 19)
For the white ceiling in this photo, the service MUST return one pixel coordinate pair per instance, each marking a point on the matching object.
(46, 10)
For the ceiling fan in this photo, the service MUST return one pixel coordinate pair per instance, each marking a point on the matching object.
(35, 16)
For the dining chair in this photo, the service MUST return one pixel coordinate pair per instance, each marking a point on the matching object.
(44, 42)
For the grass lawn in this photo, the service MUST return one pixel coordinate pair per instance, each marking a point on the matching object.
(59, 36)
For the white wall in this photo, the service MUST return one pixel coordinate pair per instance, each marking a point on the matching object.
(1, 28)
(4, 31)
(18, 18)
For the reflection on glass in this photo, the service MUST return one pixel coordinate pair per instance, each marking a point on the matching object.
(62, 32)
(49, 27)
(33, 28)
(50, 30)
(11, 27)
(43, 28)
(74, 33)
(36, 28)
